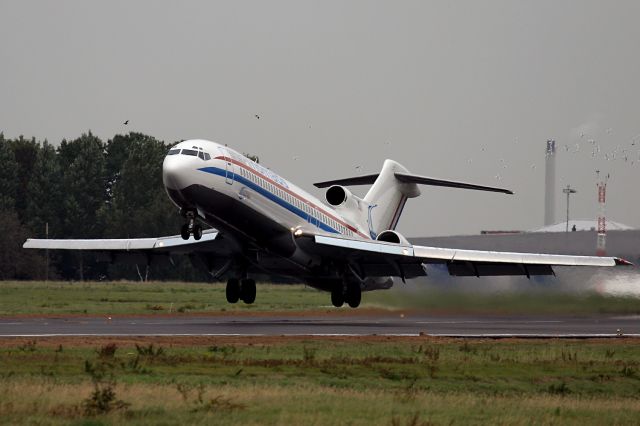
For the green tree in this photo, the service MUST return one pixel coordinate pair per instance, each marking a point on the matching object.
(8, 173)
(84, 190)
(44, 193)
(25, 152)
(16, 262)
(138, 205)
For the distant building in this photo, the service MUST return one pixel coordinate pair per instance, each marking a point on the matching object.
(583, 225)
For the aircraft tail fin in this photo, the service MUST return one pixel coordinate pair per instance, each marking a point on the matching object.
(387, 197)
(390, 191)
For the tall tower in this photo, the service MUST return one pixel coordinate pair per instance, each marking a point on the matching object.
(601, 246)
(550, 183)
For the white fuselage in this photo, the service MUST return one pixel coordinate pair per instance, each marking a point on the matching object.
(220, 171)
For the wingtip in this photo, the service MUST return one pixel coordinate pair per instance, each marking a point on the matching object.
(622, 262)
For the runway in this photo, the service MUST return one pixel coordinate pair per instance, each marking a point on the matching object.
(397, 325)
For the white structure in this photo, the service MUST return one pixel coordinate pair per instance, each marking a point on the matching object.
(601, 243)
(582, 225)
(550, 183)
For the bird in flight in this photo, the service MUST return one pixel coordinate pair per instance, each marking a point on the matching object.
(126, 122)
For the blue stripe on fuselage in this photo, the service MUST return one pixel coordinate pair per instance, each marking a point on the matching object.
(246, 182)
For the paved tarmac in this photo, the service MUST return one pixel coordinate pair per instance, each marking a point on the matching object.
(409, 325)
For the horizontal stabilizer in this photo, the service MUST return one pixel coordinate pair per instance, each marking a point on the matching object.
(358, 180)
(408, 178)
(423, 180)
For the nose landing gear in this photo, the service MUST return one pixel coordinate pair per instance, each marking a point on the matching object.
(191, 227)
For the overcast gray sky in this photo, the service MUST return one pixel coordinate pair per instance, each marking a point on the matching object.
(451, 89)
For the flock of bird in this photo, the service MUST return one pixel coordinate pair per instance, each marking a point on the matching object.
(628, 153)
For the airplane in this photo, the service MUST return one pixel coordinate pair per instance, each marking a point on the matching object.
(263, 223)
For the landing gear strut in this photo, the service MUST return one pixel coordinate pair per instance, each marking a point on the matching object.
(191, 227)
(353, 295)
(244, 290)
(337, 296)
(350, 293)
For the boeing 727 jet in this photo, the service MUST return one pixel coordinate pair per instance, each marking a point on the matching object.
(263, 223)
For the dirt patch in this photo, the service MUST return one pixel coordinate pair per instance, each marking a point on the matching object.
(334, 312)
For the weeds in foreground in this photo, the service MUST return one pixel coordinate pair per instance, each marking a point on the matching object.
(559, 389)
(107, 351)
(150, 351)
(628, 371)
(212, 405)
(103, 398)
(218, 404)
(28, 346)
(432, 353)
(412, 421)
(467, 348)
(308, 355)
(223, 350)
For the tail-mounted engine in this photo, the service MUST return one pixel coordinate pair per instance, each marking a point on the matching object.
(341, 198)
(393, 237)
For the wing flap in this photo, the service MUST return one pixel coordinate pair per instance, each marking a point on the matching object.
(120, 244)
(395, 258)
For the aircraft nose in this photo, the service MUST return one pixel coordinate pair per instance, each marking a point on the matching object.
(173, 172)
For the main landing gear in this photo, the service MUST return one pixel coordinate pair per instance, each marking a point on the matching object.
(244, 290)
(191, 227)
(351, 294)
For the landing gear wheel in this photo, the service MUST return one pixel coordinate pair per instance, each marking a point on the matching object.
(197, 232)
(353, 296)
(248, 291)
(184, 232)
(233, 290)
(337, 298)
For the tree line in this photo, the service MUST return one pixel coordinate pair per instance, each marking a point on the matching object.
(84, 188)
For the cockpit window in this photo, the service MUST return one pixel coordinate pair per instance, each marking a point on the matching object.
(173, 152)
(201, 155)
(207, 156)
(190, 152)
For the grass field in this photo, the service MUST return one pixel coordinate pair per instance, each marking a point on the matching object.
(275, 380)
(364, 381)
(130, 298)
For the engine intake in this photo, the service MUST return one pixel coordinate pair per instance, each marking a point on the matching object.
(392, 237)
(337, 195)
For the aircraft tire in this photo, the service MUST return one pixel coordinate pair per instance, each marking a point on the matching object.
(233, 290)
(184, 232)
(354, 296)
(197, 232)
(337, 298)
(248, 291)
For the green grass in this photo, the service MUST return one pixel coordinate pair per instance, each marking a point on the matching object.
(311, 381)
(31, 297)
(132, 298)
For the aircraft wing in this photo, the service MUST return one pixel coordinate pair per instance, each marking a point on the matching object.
(120, 247)
(376, 258)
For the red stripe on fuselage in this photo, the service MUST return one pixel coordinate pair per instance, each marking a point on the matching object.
(396, 216)
(293, 194)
